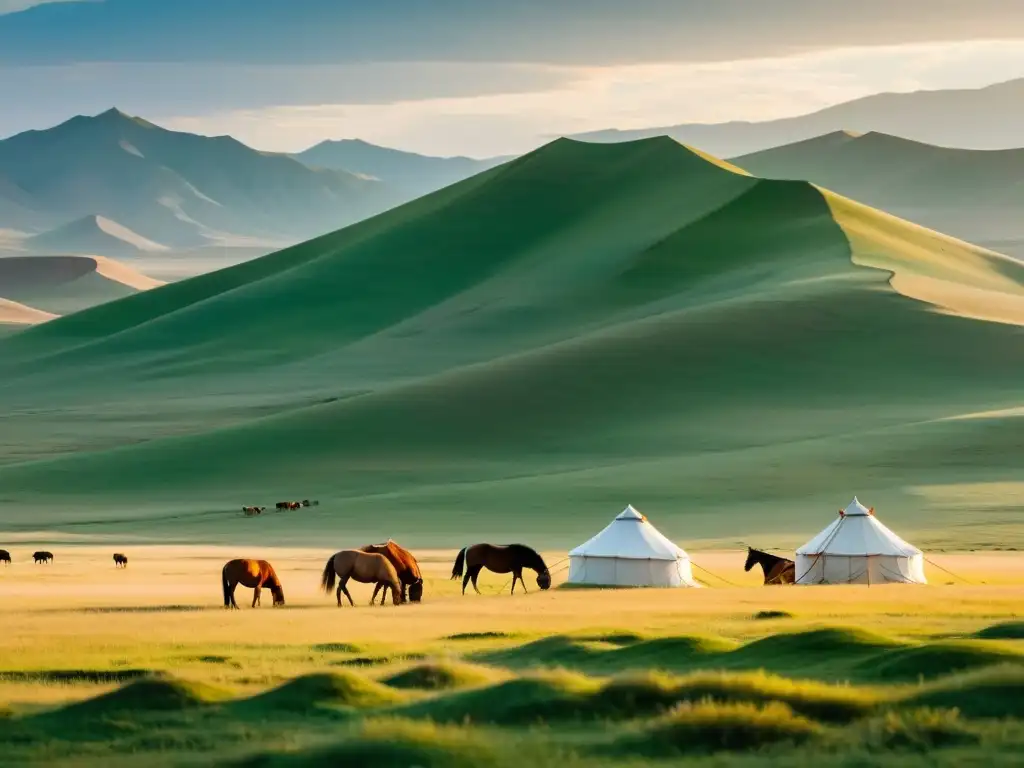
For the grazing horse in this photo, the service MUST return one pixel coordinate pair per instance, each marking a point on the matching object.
(250, 573)
(364, 567)
(42, 557)
(5, 557)
(120, 561)
(777, 570)
(308, 503)
(511, 558)
(281, 505)
(406, 567)
(251, 511)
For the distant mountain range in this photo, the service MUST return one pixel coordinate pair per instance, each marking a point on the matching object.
(985, 118)
(407, 171)
(173, 189)
(975, 195)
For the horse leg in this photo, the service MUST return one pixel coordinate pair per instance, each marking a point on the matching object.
(475, 573)
(516, 575)
(231, 592)
(338, 594)
(343, 586)
(465, 582)
(376, 589)
(255, 595)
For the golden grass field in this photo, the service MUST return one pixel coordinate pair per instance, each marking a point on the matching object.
(280, 685)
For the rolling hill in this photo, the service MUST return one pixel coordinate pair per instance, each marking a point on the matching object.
(93, 234)
(983, 118)
(524, 350)
(60, 285)
(14, 314)
(412, 173)
(176, 189)
(976, 195)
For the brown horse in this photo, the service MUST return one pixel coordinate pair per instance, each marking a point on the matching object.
(364, 567)
(120, 561)
(42, 557)
(251, 511)
(250, 573)
(5, 557)
(777, 570)
(283, 505)
(511, 558)
(406, 567)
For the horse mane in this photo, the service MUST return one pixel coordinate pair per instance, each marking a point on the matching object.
(531, 558)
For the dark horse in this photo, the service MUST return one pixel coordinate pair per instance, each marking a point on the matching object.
(120, 561)
(42, 557)
(5, 557)
(406, 567)
(511, 558)
(250, 573)
(777, 570)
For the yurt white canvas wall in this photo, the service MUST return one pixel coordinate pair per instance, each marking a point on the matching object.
(857, 549)
(630, 552)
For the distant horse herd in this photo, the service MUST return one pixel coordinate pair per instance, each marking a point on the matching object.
(281, 506)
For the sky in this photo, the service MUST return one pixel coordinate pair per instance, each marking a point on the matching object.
(482, 77)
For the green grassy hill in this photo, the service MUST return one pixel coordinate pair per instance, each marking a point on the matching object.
(530, 349)
(977, 195)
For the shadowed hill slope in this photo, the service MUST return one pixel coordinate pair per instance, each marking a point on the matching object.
(584, 324)
(66, 284)
(977, 195)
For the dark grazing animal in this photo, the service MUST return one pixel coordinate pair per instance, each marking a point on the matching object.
(308, 503)
(288, 505)
(777, 570)
(406, 567)
(364, 567)
(251, 511)
(255, 574)
(511, 558)
(5, 557)
(120, 561)
(42, 557)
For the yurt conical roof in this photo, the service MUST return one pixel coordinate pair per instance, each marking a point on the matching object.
(856, 531)
(630, 536)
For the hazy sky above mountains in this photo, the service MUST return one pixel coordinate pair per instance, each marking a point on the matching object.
(483, 76)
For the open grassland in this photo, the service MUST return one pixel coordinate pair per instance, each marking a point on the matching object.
(143, 666)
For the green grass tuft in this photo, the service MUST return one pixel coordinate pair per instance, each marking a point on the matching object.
(393, 744)
(1009, 630)
(710, 727)
(441, 676)
(336, 648)
(919, 730)
(763, 615)
(997, 692)
(157, 693)
(311, 693)
(935, 660)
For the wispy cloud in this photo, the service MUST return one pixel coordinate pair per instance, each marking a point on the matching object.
(589, 98)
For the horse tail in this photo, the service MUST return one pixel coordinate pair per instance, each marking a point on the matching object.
(460, 563)
(226, 585)
(329, 574)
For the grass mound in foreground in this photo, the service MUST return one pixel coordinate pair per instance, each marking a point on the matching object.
(158, 693)
(441, 676)
(1009, 630)
(394, 744)
(937, 659)
(711, 727)
(997, 692)
(827, 642)
(921, 730)
(308, 693)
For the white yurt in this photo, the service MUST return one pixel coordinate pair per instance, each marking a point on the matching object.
(857, 549)
(630, 552)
